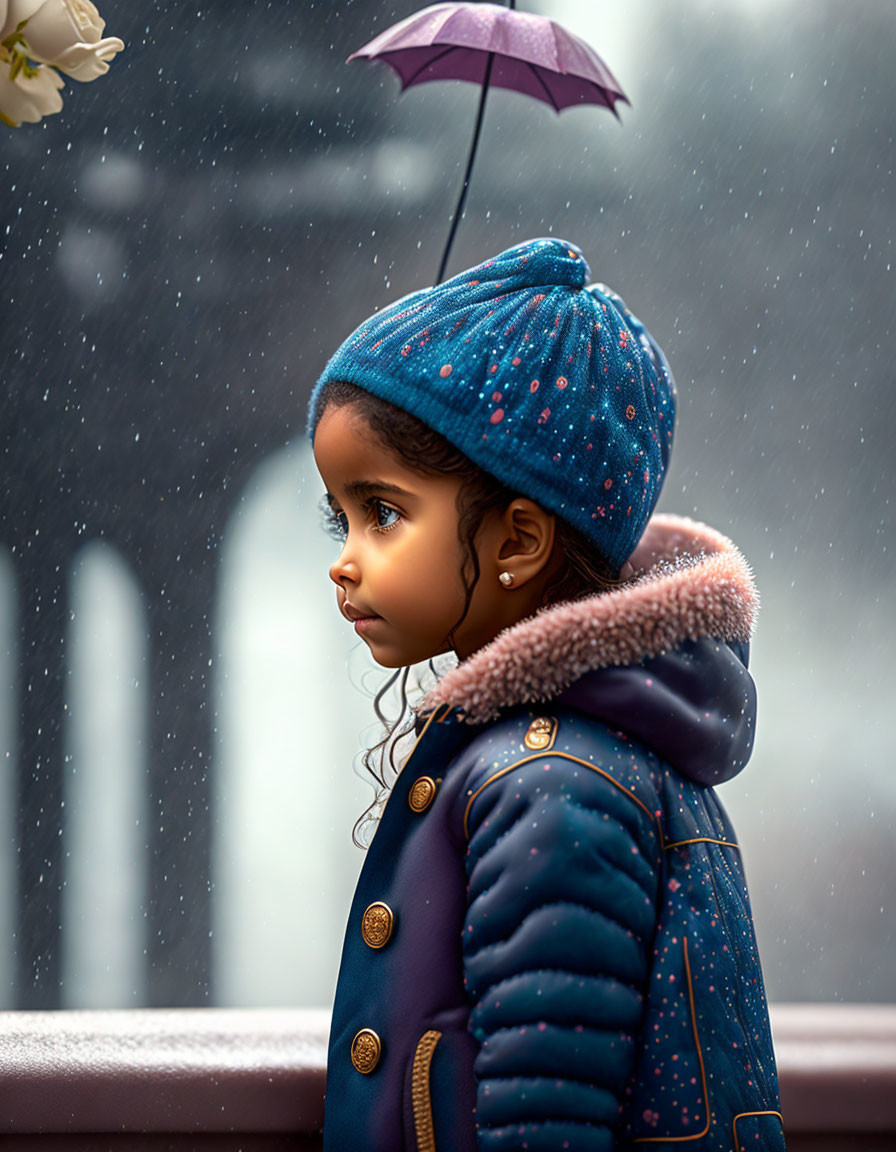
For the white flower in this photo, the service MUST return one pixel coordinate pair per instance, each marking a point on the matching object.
(29, 97)
(64, 33)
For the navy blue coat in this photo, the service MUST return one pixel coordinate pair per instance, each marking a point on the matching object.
(550, 946)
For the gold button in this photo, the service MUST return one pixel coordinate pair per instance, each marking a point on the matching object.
(366, 1051)
(539, 734)
(376, 924)
(422, 793)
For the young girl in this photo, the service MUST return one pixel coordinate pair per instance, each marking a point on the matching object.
(550, 946)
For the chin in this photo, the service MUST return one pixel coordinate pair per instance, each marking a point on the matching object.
(387, 657)
(390, 658)
(389, 661)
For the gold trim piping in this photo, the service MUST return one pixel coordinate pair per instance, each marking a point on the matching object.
(429, 719)
(433, 716)
(421, 1098)
(696, 1135)
(557, 756)
(701, 840)
(601, 772)
(741, 1115)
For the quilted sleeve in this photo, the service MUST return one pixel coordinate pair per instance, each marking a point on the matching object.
(563, 868)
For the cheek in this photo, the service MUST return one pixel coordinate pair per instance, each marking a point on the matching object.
(425, 582)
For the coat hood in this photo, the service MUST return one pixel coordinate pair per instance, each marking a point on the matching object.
(663, 657)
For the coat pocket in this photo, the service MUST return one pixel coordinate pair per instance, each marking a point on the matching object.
(763, 1130)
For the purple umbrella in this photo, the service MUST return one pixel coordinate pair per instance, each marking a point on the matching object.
(491, 45)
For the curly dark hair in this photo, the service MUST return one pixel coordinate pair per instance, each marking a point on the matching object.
(585, 571)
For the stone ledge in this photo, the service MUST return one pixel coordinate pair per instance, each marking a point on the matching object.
(262, 1071)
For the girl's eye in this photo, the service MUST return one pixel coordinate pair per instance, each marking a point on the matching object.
(384, 516)
(333, 523)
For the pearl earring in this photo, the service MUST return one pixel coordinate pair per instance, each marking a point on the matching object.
(506, 579)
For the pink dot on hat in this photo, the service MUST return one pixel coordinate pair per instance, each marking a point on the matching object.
(445, 370)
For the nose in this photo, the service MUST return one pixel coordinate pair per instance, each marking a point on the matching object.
(344, 570)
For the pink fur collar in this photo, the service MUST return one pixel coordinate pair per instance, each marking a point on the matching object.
(690, 582)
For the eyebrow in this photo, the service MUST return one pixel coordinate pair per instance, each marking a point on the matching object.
(361, 489)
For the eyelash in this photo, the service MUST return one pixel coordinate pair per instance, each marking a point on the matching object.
(332, 522)
(336, 526)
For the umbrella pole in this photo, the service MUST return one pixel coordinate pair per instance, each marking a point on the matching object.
(458, 211)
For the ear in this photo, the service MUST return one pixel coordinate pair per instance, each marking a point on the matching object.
(525, 540)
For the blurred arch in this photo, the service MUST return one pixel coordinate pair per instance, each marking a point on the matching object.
(286, 725)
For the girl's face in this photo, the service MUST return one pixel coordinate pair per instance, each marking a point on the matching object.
(398, 576)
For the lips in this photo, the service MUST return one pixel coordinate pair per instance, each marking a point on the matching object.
(350, 612)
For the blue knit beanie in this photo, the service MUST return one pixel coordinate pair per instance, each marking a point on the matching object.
(553, 387)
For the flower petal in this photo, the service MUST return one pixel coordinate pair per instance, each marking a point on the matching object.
(51, 31)
(14, 12)
(86, 19)
(30, 98)
(88, 61)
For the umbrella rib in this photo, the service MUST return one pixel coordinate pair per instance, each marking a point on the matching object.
(547, 90)
(429, 63)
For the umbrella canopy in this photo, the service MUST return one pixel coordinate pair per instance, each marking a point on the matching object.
(489, 44)
(493, 46)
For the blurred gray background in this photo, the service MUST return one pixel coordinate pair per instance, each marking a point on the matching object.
(181, 249)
